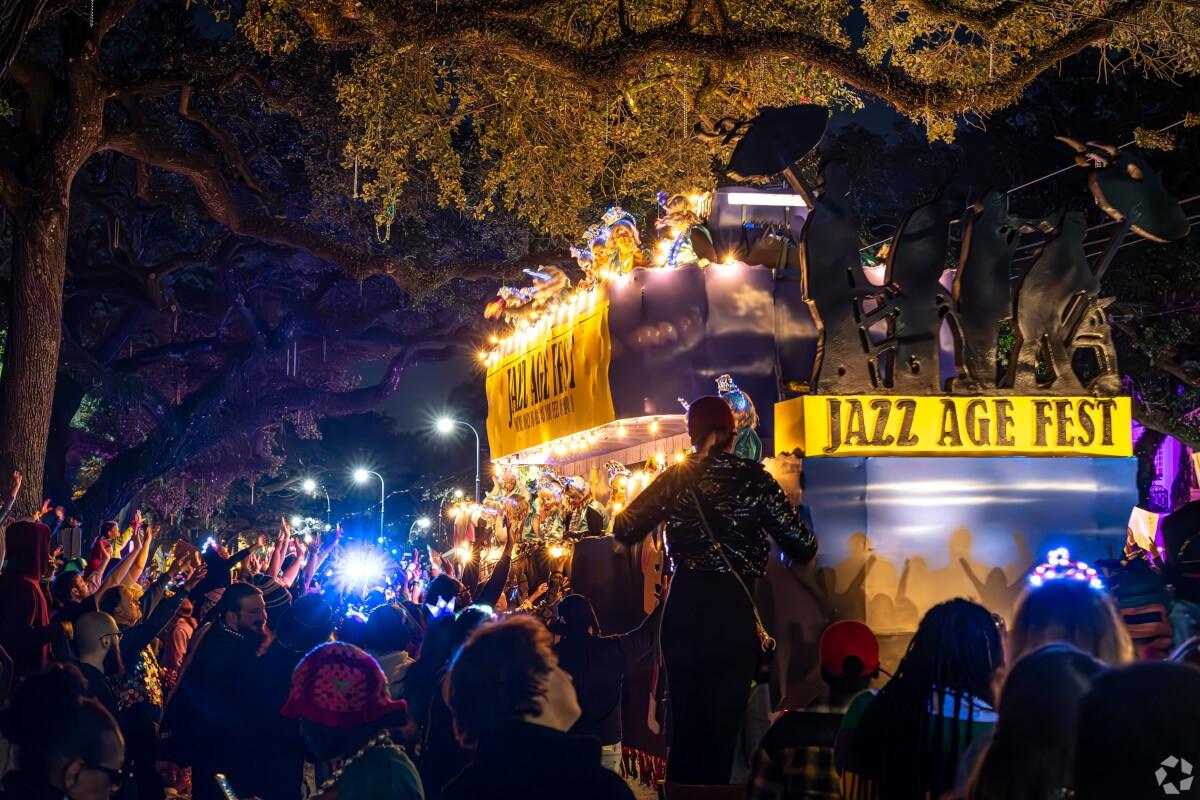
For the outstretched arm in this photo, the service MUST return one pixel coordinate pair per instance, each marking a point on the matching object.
(491, 591)
(646, 512)
(971, 576)
(117, 576)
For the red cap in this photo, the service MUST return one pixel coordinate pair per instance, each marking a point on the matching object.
(707, 413)
(844, 639)
(339, 686)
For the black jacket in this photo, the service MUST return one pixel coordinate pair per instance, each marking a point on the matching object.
(272, 767)
(742, 503)
(531, 762)
(198, 715)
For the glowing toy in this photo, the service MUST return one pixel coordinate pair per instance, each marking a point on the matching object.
(1059, 566)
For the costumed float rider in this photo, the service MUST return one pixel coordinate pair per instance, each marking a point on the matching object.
(585, 515)
(746, 444)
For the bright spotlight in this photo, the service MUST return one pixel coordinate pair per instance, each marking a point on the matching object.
(359, 568)
(458, 494)
(445, 425)
(361, 475)
(308, 485)
(423, 522)
(463, 552)
(297, 521)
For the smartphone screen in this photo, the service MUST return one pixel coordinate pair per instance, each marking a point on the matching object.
(226, 789)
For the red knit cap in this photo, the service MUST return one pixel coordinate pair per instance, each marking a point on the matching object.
(338, 685)
(844, 639)
(707, 413)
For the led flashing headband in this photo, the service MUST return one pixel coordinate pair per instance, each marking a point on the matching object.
(1059, 566)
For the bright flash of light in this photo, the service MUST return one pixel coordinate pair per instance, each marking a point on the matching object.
(423, 522)
(361, 475)
(463, 553)
(458, 494)
(297, 521)
(309, 485)
(445, 425)
(556, 551)
(358, 568)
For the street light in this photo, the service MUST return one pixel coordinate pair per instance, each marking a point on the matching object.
(458, 494)
(310, 487)
(420, 522)
(445, 425)
(362, 476)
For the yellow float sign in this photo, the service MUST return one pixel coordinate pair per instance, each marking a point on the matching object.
(553, 387)
(886, 425)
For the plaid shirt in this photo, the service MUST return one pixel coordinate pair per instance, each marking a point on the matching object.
(797, 762)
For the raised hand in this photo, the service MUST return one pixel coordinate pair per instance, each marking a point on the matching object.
(194, 579)
(137, 519)
(18, 478)
(45, 508)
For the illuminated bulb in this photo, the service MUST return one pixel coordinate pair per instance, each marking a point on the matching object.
(494, 339)
(621, 430)
(483, 356)
(556, 551)
(679, 458)
(464, 553)
(660, 459)
(654, 427)
(617, 507)
(297, 522)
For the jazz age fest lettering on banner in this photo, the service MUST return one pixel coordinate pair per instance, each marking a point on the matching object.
(871, 425)
(554, 387)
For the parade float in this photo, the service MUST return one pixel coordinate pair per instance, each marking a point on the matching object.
(932, 459)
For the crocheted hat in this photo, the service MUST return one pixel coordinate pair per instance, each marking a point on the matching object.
(338, 685)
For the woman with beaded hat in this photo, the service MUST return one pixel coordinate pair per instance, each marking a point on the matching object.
(340, 695)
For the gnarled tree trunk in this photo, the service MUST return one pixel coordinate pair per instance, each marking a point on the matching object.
(31, 354)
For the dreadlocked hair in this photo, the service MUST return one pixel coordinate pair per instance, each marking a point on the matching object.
(908, 743)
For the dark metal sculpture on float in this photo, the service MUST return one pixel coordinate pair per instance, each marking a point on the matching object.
(1056, 309)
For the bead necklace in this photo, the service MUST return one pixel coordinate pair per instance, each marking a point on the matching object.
(381, 739)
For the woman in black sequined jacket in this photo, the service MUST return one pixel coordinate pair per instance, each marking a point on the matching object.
(709, 638)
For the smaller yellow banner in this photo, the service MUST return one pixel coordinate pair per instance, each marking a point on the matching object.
(883, 425)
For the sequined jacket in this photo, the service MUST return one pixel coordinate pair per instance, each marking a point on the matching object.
(742, 503)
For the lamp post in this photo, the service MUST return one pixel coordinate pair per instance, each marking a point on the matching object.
(419, 522)
(310, 487)
(362, 476)
(446, 425)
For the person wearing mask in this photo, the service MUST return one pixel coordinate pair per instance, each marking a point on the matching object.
(908, 739)
(1072, 612)
(26, 631)
(720, 510)
(389, 640)
(98, 642)
(1136, 728)
(796, 757)
(1033, 743)
(196, 722)
(339, 695)
(584, 515)
(67, 745)
(513, 704)
(597, 665)
(273, 763)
